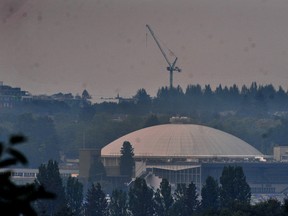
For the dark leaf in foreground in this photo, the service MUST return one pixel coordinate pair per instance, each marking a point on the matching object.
(8, 162)
(18, 155)
(17, 139)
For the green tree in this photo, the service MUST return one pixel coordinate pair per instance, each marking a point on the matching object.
(142, 98)
(96, 203)
(17, 199)
(49, 177)
(163, 199)
(210, 194)
(268, 207)
(74, 195)
(141, 198)
(234, 187)
(126, 159)
(179, 201)
(118, 203)
(186, 200)
(191, 199)
(86, 95)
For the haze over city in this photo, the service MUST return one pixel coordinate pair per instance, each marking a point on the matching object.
(103, 46)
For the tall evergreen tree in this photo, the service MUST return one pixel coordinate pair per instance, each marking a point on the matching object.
(86, 95)
(142, 98)
(178, 208)
(49, 177)
(234, 187)
(96, 203)
(118, 204)
(126, 159)
(74, 195)
(243, 191)
(163, 199)
(210, 194)
(141, 198)
(191, 199)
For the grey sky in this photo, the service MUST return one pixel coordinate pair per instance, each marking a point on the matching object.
(52, 46)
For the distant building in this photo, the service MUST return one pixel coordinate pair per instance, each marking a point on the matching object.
(176, 151)
(9, 96)
(281, 153)
(22, 176)
(182, 153)
(86, 158)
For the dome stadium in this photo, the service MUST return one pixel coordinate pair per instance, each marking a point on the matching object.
(182, 141)
(177, 152)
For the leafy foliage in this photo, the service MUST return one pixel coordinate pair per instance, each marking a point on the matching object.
(17, 199)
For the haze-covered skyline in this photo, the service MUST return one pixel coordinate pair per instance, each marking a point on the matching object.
(103, 46)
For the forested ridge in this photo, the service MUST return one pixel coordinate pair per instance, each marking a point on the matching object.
(258, 114)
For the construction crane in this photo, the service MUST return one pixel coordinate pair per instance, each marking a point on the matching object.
(171, 66)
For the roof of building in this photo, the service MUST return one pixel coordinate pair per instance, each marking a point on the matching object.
(182, 140)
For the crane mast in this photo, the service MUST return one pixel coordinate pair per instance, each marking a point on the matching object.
(171, 67)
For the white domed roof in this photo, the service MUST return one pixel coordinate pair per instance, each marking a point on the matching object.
(182, 140)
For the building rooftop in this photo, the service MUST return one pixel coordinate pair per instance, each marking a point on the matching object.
(182, 140)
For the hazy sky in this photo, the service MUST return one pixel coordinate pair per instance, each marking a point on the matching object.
(51, 46)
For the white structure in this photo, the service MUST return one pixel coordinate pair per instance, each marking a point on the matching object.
(187, 141)
(23, 176)
(176, 151)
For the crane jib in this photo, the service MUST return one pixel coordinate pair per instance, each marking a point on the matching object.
(172, 66)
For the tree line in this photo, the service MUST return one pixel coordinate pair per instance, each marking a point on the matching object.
(231, 196)
(246, 100)
(50, 194)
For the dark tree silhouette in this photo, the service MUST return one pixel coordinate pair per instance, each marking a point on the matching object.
(74, 195)
(96, 203)
(15, 199)
(163, 199)
(141, 198)
(126, 159)
(234, 188)
(118, 204)
(49, 177)
(210, 195)
(178, 207)
(191, 199)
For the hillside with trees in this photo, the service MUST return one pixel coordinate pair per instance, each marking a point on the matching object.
(58, 127)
